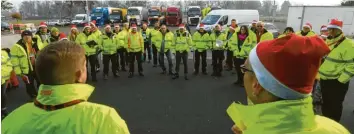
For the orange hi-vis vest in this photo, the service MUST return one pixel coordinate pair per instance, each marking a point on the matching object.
(132, 47)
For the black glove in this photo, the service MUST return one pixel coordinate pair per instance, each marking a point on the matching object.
(91, 43)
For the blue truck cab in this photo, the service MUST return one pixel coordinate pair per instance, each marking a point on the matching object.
(101, 15)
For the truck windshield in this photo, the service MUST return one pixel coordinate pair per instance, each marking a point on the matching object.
(210, 19)
(172, 13)
(133, 12)
(79, 18)
(154, 13)
(114, 16)
(97, 14)
(194, 11)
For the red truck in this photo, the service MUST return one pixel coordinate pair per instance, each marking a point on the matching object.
(173, 16)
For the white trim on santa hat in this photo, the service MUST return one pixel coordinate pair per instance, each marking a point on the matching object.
(334, 26)
(180, 26)
(73, 28)
(308, 26)
(324, 29)
(63, 39)
(269, 82)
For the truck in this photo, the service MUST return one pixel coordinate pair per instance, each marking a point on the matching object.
(321, 15)
(101, 15)
(156, 14)
(194, 14)
(173, 16)
(80, 19)
(223, 17)
(137, 15)
(118, 15)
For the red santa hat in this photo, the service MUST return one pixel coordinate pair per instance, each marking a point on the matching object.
(254, 22)
(323, 28)
(93, 22)
(335, 23)
(201, 25)
(86, 26)
(181, 26)
(134, 26)
(42, 24)
(107, 26)
(308, 25)
(287, 67)
(62, 36)
(73, 27)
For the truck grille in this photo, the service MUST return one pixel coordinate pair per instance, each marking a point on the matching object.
(194, 20)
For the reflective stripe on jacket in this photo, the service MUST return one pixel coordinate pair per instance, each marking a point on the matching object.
(135, 42)
(41, 44)
(6, 66)
(120, 39)
(183, 41)
(339, 64)
(108, 44)
(201, 42)
(82, 39)
(20, 59)
(282, 117)
(169, 41)
(214, 39)
(246, 47)
(81, 118)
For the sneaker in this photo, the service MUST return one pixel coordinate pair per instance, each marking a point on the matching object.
(175, 76)
(116, 75)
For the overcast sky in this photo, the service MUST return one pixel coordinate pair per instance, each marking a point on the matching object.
(297, 2)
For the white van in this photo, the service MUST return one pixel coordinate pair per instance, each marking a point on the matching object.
(224, 17)
(80, 19)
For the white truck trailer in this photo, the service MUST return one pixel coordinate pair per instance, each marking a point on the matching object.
(321, 15)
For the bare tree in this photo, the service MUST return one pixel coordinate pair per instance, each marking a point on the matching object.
(285, 7)
(5, 5)
(347, 3)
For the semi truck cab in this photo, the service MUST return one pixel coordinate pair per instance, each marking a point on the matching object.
(173, 16)
(194, 14)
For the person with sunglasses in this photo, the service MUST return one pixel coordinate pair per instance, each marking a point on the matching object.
(278, 80)
(306, 30)
(261, 33)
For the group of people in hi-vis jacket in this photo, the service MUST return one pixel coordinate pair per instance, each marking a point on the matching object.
(277, 74)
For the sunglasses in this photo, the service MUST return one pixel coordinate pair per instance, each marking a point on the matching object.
(259, 26)
(244, 69)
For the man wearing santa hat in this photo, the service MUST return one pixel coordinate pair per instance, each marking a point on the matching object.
(253, 27)
(278, 78)
(336, 71)
(306, 30)
(135, 42)
(122, 47)
(73, 33)
(218, 40)
(42, 36)
(183, 43)
(96, 33)
(109, 47)
(231, 46)
(89, 43)
(201, 44)
(324, 32)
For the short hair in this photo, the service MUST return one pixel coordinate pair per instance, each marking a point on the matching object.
(289, 29)
(58, 63)
(260, 22)
(233, 20)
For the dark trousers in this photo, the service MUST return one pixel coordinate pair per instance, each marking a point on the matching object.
(3, 96)
(197, 55)
(162, 60)
(106, 59)
(182, 56)
(97, 61)
(238, 62)
(217, 57)
(333, 94)
(122, 56)
(147, 46)
(92, 60)
(229, 59)
(154, 54)
(31, 88)
(135, 56)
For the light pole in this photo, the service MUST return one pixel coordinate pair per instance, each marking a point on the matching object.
(88, 12)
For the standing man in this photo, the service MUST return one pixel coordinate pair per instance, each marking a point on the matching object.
(233, 23)
(122, 46)
(201, 43)
(135, 49)
(42, 36)
(164, 42)
(183, 43)
(54, 34)
(6, 69)
(63, 99)
(253, 27)
(336, 71)
(96, 33)
(146, 33)
(73, 33)
(88, 42)
(154, 34)
(23, 58)
(109, 48)
(261, 33)
(229, 46)
(306, 30)
(218, 40)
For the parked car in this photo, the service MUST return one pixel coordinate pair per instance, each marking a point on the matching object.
(31, 27)
(63, 23)
(5, 26)
(269, 26)
(53, 22)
